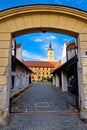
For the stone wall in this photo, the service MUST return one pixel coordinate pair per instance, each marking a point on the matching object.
(5, 75)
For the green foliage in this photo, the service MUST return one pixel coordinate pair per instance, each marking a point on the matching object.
(49, 79)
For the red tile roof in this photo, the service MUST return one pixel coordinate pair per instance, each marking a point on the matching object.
(57, 66)
(71, 45)
(67, 43)
(18, 45)
(40, 64)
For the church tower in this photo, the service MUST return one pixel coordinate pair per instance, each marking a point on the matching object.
(50, 53)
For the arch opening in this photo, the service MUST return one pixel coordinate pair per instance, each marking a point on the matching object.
(70, 39)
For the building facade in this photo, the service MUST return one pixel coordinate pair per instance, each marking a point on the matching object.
(20, 73)
(42, 69)
(20, 76)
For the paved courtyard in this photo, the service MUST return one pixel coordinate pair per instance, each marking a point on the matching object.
(44, 107)
(43, 97)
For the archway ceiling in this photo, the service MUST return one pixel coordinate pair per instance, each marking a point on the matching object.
(19, 12)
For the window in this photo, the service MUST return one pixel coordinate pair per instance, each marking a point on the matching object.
(13, 81)
(32, 77)
(38, 77)
(47, 73)
(85, 52)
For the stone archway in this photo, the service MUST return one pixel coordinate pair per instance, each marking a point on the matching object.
(27, 19)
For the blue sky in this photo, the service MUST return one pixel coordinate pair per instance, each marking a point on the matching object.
(35, 45)
(80, 4)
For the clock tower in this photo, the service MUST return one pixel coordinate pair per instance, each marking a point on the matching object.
(50, 53)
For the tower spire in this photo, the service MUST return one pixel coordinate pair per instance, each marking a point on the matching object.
(50, 46)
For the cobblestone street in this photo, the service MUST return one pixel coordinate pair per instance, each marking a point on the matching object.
(44, 107)
(43, 97)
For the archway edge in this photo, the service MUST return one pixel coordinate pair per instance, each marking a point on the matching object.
(43, 8)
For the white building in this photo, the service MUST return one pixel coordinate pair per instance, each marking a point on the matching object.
(68, 52)
(21, 74)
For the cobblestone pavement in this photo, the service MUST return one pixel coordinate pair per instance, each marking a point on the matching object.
(44, 107)
(45, 93)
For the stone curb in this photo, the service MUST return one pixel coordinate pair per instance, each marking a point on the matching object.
(15, 96)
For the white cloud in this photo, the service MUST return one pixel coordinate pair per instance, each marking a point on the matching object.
(45, 47)
(26, 54)
(65, 40)
(51, 37)
(34, 38)
(69, 39)
(32, 56)
(57, 50)
(38, 40)
(74, 2)
(41, 38)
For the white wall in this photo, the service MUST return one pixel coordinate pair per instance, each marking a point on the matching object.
(63, 58)
(64, 81)
(18, 50)
(13, 46)
(21, 81)
(71, 54)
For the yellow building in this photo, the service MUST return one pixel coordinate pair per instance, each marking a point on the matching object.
(42, 69)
